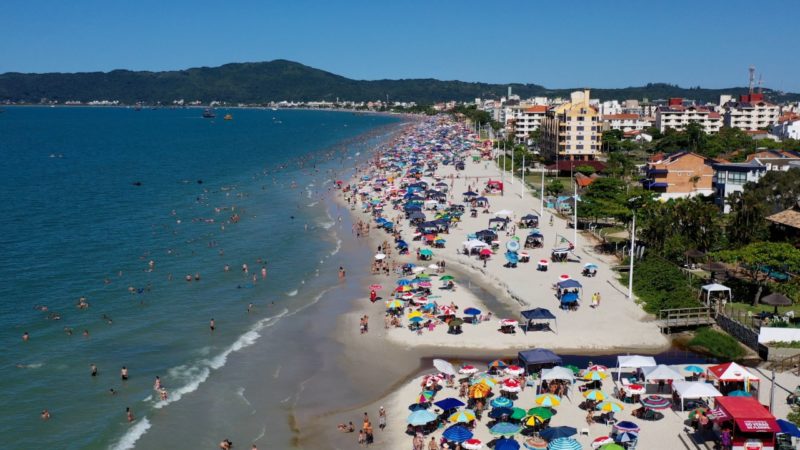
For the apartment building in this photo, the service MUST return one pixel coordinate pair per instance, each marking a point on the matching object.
(676, 116)
(624, 122)
(521, 120)
(750, 113)
(731, 177)
(572, 130)
(682, 174)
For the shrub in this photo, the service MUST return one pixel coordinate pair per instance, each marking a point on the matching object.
(718, 344)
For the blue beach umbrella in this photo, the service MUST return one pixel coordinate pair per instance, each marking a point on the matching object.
(694, 369)
(504, 429)
(627, 436)
(457, 433)
(506, 444)
(403, 282)
(416, 319)
(564, 444)
(472, 311)
(502, 402)
(496, 413)
(421, 417)
(739, 393)
(552, 433)
(626, 425)
(789, 428)
(449, 403)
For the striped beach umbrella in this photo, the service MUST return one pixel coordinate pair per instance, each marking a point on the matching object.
(395, 304)
(468, 370)
(627, 436)
(472, 444)
(535, 443)
(502, 402)
(626, 425)
(564, 444)
(595, 375)
(504, 429)
(594, 394)
(609, 406)
(547, 400)
(464, 416)
(656, 402)
(421, 417)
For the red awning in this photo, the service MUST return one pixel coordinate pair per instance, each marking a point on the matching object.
(758, 425)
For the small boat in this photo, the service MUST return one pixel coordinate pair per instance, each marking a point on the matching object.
(228, 117)
(209, 114)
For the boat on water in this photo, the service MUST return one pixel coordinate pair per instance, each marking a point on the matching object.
(209, 114)
(228, 117)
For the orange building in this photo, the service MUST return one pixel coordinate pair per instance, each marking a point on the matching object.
(683, 174)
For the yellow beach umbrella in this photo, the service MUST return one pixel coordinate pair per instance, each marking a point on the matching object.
(595, 375)
(594, 394)
(413, 314)
(548, 400)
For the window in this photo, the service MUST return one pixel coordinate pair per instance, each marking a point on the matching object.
(579, 147)
(737, 177)
(594, 128)
(580, 128)
(580, 138)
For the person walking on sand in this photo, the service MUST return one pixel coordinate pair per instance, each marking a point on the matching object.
(381, 418)
(598, 298)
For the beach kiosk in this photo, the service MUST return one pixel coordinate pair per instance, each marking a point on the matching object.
(753, 426)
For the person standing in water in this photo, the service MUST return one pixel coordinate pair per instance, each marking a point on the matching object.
(123, 373)
(129, 414)
(212, 325)
(94, 369)
(25, 336)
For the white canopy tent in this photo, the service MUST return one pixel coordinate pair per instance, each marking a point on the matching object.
(661, 372)
(634, 362)
(473, 244)
(694, 389)
(504, 213)
(708, 290)
(558, 373)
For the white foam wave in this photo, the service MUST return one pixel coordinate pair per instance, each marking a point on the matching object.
(262, 434)
(128, 440)
(312, 204)
(338, 247)
(195, 375)
(277, 372)
(291, 293)
(327, 225)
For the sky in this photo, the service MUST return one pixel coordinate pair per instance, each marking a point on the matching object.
(558, 44)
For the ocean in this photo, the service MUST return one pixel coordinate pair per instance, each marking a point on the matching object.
(119, 207)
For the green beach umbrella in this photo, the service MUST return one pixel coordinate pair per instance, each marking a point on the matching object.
(575, 369)
(447, 278)
(612, 447)
(541, 412)
(518, 413)
(426, 252)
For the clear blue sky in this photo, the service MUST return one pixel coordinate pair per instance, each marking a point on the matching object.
(554, 43)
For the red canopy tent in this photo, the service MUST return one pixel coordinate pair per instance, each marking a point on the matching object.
(753, 423)
(732, 373)
(494, 185)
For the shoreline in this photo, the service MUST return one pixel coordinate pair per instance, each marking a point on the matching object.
(416, 356)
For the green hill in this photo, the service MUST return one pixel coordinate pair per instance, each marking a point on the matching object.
(286, 80)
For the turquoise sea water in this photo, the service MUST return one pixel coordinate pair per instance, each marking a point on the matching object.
(91, 196)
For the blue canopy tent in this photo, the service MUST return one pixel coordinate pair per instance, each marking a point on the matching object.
(538, 314)
(538, 358)
(570, 284)
(568, 299)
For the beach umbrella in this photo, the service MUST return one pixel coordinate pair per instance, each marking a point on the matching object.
(594, 394)
(564, 277)
(789, 428)
(547, 400)
(446, 278)
(504, 429)
(656, 402)
(634, 389)
(506, 444)
(480, 390)
(455, 323)
(603, 440)
(609, 406)
(497, 413)
(512, 369)
(597, 368)
(626, 425)
(611, 446)
(552, 433)
(444, 366)
(739, 393)
(403, 282)
(535, 443)
(575, 369)
(511, 323)
(425, 252)
(595, 375)
(698, 411)
(590, 266)
(472, 444)
(626, 436)
(413, 314)
(694, 369)
(564, 444)
(421, 417)
(496, 364)
(486, 252)
(375, 287)
(395, 304)
(468, 370)
(541, 412)
(457, 433)
(533, 421)
(517, 413)
(380, 256)
(501, 402)
(464, 416)
(449, 403)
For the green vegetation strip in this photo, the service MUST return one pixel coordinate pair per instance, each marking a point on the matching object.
(717, 344)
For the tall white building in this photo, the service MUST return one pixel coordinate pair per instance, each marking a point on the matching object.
(750, 113)
(524, 119)
(677, 116)
(789, 129)
(625, 122)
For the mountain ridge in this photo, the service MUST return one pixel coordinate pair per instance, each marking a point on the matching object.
(280, 79)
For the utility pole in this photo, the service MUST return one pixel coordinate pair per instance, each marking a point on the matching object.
(633, 245)
(575, 218)
(541, 206)
(512, 165)
(503, 173)
(522, 179)
(771, 390)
